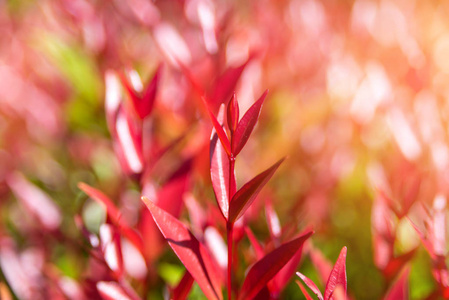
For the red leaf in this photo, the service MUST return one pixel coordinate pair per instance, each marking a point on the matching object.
(399, 290)
(283, 276)
(304, 291)
(225, 84)
(337, 276)
(426, 243)
(146, 103)
(247, 193)
(219, 169)
(311, 285)
(219, 130)
(113, 213)
(183, 288)
(189, 250)
(265, 269)
(246, 125)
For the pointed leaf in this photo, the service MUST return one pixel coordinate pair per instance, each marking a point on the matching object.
(337, 276)
(395, 264)
(219, 130)
(246, 125)
(146, 104)
(426, 243)
(399, 290)
(265, 269)
(247, 193)
(219, 169)
(113, 213)
(311, 285)
(183, 288)
(189, 250)
(283, 276)
(226, 83)
(304, 291)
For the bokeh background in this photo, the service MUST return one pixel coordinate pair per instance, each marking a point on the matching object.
(358, 102)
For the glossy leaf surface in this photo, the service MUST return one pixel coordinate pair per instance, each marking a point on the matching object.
(337, 276)
(267, 267)
(189, 250)
(247, 193)
(219, 169)
(246, 125)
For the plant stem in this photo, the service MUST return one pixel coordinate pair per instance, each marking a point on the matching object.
(230, 225)
(230, 229)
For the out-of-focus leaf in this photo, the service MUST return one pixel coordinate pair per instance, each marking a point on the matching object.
(265, 269)
(246, 125)
(219, 169)
(337, 276)
(395, 264)
(255, 243)
(190, 251)
(111, 248)
(113, 213)
(311, 285)
(143, 103)
(427, 244)
(247, 193)
(304, 291)
(183, 288)
(170, 196)
(399, 289)
(273, 222)
(225, 84)
(110, 290)
(35, 201)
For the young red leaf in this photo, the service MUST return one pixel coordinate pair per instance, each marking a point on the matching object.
(225, 84)
(265, 269)
(399, 289)
(337, 276)
(183, 288)
(233, 113)
(395, 264)
(113, 213)
(311, 285)
(219, 130)
(189, 250)
(219, 169)
(246, 125)
(247, 193)
(304, 291)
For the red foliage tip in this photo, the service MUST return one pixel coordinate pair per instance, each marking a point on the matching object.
(246, 125)
(233, 113)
